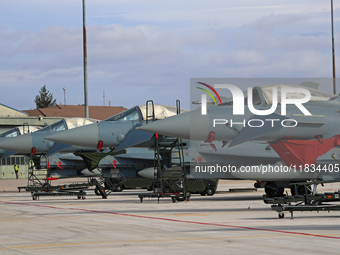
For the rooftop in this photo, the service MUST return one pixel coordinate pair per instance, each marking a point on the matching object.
(67, 111)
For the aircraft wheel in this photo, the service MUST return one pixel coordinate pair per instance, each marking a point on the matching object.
(274, 191)
(210, 191)
(281, 215)
(97, 192)
(119, 188)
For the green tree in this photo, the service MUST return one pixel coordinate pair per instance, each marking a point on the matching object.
(44, 99)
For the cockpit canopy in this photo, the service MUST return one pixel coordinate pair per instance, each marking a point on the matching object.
(69, 123)
(16, 131)
(317, 95)
(138, 113)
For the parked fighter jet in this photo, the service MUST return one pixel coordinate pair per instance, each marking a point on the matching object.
(304, 136)
(133, 168)
(122, 170)
(105, 133)
(282, 122)
(34, 143)
(228, 126)
(123, 126)
(180, 126)
(14, 132)
(117, 130)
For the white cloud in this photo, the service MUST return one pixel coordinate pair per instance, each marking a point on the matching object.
(147, 50)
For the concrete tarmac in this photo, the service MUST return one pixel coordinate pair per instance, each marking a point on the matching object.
(227, 223)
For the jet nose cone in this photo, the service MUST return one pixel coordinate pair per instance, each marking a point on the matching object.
(86, 136)
(22, 143)
(189, 125)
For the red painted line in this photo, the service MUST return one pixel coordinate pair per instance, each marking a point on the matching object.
(175, 220)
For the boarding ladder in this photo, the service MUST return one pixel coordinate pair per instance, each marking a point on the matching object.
(170, 175)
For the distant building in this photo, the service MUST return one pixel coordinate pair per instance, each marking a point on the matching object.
(68, 111)
(7, 111)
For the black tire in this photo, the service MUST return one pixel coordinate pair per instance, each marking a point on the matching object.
(119, 188)
(210, 191)
(203, 193)
(274, 191)
(97, 192)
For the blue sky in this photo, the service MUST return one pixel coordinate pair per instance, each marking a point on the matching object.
(149, 49)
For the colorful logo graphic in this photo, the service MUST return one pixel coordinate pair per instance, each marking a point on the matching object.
(209, 93)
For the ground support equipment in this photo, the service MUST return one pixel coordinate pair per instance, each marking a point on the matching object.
(174, 196)
(170, 175)
(306, 202)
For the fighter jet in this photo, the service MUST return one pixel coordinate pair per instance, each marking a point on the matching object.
(133, 168)
(34, 143)
(123, 125)
(117, 130)
(298, 113)
(14, 132)
(303, 134)
(248, 154)
(125, 165)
